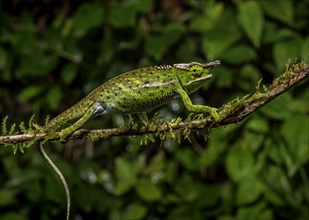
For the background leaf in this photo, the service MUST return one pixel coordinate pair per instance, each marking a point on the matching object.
(252, 20)
(239, 164)
(294, 132)
(125, 173)
(281, 10)
(148, 191)
(285, 51)
(87, 16)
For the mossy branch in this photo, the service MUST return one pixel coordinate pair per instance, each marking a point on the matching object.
(232, 112)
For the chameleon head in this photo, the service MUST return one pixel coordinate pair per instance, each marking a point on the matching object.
(194, 75)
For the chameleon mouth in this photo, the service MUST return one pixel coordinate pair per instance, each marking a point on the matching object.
(200, 79)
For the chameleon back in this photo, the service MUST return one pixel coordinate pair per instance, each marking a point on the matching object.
(136, 91)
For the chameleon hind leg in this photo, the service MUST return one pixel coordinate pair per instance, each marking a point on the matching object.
(79, 123)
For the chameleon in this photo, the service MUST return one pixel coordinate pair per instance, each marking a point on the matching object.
(134, 92)
(139, 91)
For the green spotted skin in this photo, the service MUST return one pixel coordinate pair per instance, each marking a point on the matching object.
(137, 92)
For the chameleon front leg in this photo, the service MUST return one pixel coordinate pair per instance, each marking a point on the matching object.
(79, 123)
(197, 108)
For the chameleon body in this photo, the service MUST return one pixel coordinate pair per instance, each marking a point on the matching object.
(137, 92)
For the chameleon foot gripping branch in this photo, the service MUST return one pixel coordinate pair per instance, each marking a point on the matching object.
(60, 175)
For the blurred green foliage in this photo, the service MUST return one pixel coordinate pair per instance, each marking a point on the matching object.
(52, 53)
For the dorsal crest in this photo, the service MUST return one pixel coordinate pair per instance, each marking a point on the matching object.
(185, 66)
(163, 67)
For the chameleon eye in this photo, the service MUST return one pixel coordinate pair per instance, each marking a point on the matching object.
(196, 69)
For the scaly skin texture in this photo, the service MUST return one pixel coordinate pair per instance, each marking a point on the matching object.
(137, 92)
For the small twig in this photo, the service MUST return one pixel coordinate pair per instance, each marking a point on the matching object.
(61, 177)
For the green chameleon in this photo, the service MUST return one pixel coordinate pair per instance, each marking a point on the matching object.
(137, 92)
(134, 92)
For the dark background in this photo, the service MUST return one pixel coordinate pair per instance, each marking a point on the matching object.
(53, 53)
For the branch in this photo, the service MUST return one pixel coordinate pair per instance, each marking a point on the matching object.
(232, 112)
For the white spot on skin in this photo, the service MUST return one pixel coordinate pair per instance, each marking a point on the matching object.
(101, 109)
(98, 110)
